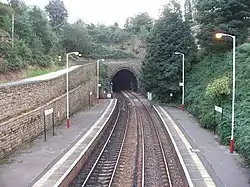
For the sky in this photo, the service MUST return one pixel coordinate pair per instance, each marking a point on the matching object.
(106, 11)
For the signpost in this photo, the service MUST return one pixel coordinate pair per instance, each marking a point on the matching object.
(149, 96)
(220, 110)
(46, 113)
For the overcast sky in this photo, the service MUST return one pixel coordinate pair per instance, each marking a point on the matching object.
(106, 11)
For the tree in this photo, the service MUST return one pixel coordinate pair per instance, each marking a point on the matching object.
(188, 12)
(161, 69)
(57, 12)
(41, 28)
(5, 19)
(15, 4)
(76, 38)
(231, 16)
(138, 22)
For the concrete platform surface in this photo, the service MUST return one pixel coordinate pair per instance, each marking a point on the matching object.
(30, 163)
(226, 169)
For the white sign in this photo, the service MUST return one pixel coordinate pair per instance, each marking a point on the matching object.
(171, 94)
(47, 112)
(149, 96)
(99, 85)
(90, 93)
(109, 95)
(181, 83)
(218, 109)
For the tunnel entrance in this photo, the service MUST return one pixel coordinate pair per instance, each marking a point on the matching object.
(124, 80)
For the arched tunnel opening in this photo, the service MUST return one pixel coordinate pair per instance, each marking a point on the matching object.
(124, 80)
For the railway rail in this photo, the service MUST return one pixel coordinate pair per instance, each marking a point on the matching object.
(136, 152)
(153, 149)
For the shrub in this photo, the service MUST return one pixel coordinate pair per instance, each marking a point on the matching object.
(205, 82)
(218, 90)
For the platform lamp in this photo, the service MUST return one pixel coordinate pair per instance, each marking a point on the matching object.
(219, 36)
(67, 83)
(98, 77)
(183, 78)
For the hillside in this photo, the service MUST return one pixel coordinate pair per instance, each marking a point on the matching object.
(40, 37)
(209, 68)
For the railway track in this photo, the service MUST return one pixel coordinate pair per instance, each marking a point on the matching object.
(155, 167)
(170, 172)
(134, 153)
(104, 168)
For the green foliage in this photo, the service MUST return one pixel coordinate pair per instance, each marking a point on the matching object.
(162, 69)
(41, 28)
(206, 71)
(107, 35)
(76, 38)
(188, 12)
(139, 22)
(100, 51)
(218, 89)
(57, 12)
(39, 41)
(36, 71)
(5, 19)
(230, 16)
(104, 76)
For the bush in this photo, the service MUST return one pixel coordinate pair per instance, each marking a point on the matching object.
(218, 90)
(99, 51)
(203, 84)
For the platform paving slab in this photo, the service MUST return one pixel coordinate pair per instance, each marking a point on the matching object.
(31, 162)
(57, 173)
(226, 169)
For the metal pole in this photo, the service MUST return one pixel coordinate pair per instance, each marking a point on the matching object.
(53, 123)
(233, 99)
(67, 83)
(12, 30)
(97, 78)
(44, 128)
(214, 121)
(183, 79)
(89, 100)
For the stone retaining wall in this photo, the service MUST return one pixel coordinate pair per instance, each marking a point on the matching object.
(22, 105)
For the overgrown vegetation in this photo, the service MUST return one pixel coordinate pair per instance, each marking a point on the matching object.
(39, 40)
(214, 68)
(209, 76)
(231, 16)
(162, 69)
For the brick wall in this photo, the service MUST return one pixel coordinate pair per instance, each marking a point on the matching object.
(22, 105)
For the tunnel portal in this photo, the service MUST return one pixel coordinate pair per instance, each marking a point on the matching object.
(124, 80)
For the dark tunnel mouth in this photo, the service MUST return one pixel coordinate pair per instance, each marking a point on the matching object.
(124, 79)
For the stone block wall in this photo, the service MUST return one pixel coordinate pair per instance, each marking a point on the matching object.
(22, 106)
(19, 98)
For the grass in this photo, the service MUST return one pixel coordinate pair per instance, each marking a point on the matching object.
(31, 71)
(36, 71)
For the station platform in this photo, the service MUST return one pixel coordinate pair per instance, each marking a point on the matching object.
(206, 161)
(43, 163)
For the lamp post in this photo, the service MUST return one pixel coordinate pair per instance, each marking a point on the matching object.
(219, 36)
(97, 77)
(67, 83)
(183, 78)
(111, 87)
